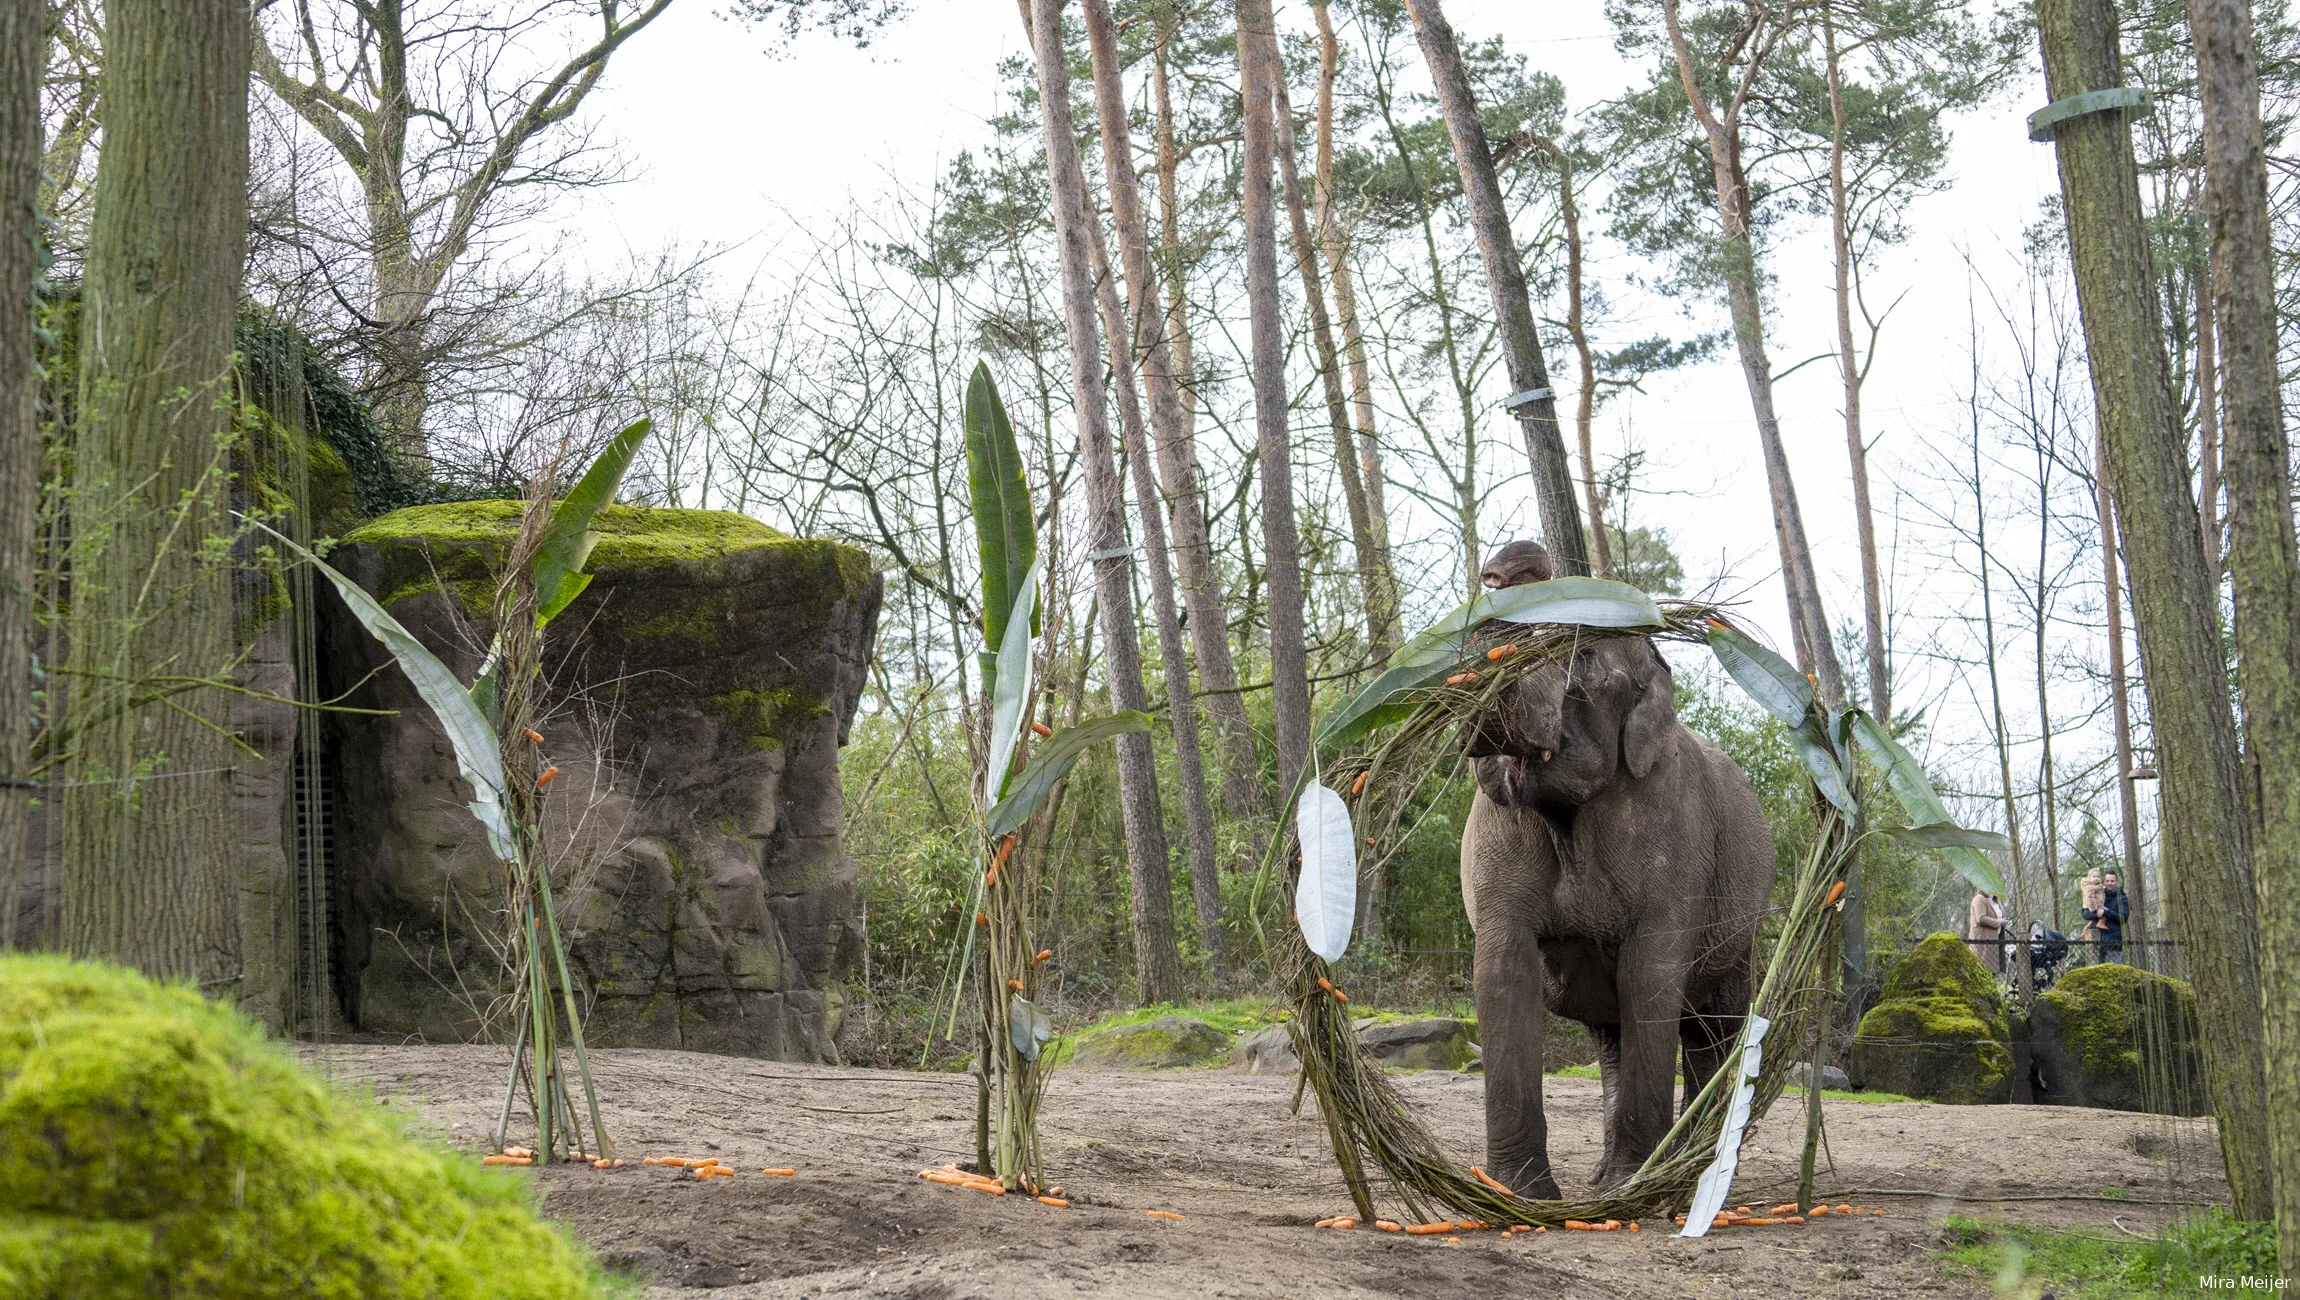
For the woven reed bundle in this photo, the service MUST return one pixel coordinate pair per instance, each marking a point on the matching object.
(1380, 774)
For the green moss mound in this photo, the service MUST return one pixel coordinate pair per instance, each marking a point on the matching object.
(2120, 1037)
(630, 537)
(1943, 965)
(1941, 1033)
(154, 1144)
(1162, 1041)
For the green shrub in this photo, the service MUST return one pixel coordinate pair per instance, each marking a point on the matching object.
(154, 1144)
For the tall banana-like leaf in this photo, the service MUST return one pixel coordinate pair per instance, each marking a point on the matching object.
(1028, 1027)
(1769, 679)
(1326, 895)
(1382, 701)
(477, 753)
(1005, 530)
(1590, 602)
(567, 541)
(1052, 761)
(1010, 689)
(1927, 814)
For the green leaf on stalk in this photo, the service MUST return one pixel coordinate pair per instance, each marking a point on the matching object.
(1926, 812)
(568, 539)
(1379, 703)
(1005, 528)
(1769, 679)
(1828, 777)
(1945, 836)
(1051, 762)
(1589, 602)
(478, 754)
(1010, 687)
(1028, 1027)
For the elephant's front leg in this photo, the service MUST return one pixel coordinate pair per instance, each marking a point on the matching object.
(1650, 977)
(1509, 1013)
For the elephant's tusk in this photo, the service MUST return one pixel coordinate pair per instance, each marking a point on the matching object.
(1545, 756)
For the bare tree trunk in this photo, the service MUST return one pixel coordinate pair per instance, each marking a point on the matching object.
(145, 877)
(2119, 705)
(1585, 403)
(1182, 708)
(2208, 422)
(1282, 568)
(1855, 372)
(1335, 240)
(1157, 963)
(1376, 589)
(2206, 845)
(2047, 784)
(2024, 978)
(1173, 402)
(2264, 560)
(23, 54)
(1513, 309)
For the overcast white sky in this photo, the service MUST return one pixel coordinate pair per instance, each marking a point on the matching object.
(726, 135)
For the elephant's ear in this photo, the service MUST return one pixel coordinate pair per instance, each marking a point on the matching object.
(1645, 729)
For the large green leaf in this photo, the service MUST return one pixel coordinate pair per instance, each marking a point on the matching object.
(1828, 776)
(477, 752)
(1379, 703)
(1926, 811)
(1950, 837)
(1005, 531)
(1028, 1027)
(568, 539)
(1769, 679)
(1010, 687)
(1590, 602)
(1052, 761)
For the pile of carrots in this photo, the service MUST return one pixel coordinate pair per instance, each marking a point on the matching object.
(1787, 1214)
(1346, 1222)
(951, 1175)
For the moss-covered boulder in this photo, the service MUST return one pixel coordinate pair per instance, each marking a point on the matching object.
(1941, 1033)
(1436, 1043)
(1167, 1040)
(153, 1143)
(699, 691)
(2120, 1038)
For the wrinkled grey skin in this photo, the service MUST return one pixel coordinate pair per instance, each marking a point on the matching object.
(1619, 863)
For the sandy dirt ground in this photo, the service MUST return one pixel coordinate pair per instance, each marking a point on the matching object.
(1223, 1150)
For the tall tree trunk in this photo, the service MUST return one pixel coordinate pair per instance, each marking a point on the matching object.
(23, 52)
(1334, 238)
(145, 877)
(1855, 372)
(2206, 844)
(2207, 422)
(2012, 959)
(2136, 892)
(1282, 567)
(1513, 309)
(1166, 374)
(1182, 707)
(1376, 589)
(1157, 962)
(2047, 784)
(2264, 561)
(1584, 402)
(1808, 622)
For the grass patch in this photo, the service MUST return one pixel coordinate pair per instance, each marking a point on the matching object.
(1839, 1094)
(2027, 1262)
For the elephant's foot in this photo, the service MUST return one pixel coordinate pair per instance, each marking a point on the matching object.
(1531, 1180)
(1614, 1170)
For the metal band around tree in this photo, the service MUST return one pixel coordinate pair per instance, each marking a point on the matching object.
(2122, 98)
(1526, 398)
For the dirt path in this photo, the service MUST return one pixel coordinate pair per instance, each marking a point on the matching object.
(1221, 1149)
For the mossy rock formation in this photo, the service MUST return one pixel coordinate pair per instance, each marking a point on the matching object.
(2120, 1038)
(1165, 1041)
(1941, 1033)
(152, 1143)
(701, 687)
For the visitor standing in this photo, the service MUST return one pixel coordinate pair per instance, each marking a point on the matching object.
(1985, 930)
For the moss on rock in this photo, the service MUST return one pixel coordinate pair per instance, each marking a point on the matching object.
(1941, 1033)
(2119, 1037)
(154, 1144)
(1943, 965)
(1167, 1040)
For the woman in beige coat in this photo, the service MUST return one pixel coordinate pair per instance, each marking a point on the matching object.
(1983, 927)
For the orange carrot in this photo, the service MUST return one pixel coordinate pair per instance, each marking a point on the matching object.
(545, 779)
(1612, 1225)
(1298, 915)
(1836, 892)
(1055, 1201)
(1818, 1210)
(1340, 996)
(1041, 729)
(981, 918)
(1499, 653)
(1043, 954)
(1323, 1223)
(995, 1189)
(1450, 1241)
(1789, 1208)
(1163, 1214)
(1386, 1225)
(1633, 1227)
(1358, 786)
(505, 1160)
(779, 1173)
(1794, 1218)
(1054, 1191)
(1577, 1225)
(1430, 1229)
(533, 734)
(1326, 984)
(1483, 1177)
(1879, 1213)
(1844, 1209)
(1005, 847)
(1761, 1221)
(1541, 1229)
(1345, 1223)
(1016, 985)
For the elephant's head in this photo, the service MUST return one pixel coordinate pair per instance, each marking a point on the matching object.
(1558, 735)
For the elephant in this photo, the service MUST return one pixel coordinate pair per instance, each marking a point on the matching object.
(1617, 864)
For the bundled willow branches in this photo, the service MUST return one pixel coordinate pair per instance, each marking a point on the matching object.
(1405, 731)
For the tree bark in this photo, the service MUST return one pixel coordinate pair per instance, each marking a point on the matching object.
(1856, 442)
(23, 54)
(2023, 974)
(1166, 375)
(1181, 705)
(1513, 309)
(145, 876)
(2119, 705)
(2264, 562)
(1281, 562)
(2207, 421)
(1333, 237)
(2206, 841)
(1157, 963)
(1585, 402)
(1376, 588)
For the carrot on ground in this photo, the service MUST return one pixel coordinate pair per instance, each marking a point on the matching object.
(1386, 1225)
(1483, 1177)
(507, 1160)
(1790, 1208)
(1055, 1201)
(1430, 1229)
(1345, 1223)
(1163, 1214)
(1794, 1218)
(779, 1173)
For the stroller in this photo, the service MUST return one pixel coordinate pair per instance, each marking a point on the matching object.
(2047, 954)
